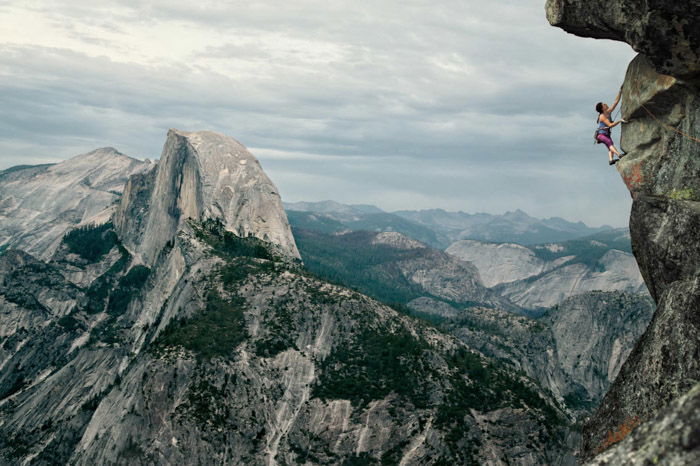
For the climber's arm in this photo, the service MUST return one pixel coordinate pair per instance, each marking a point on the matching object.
(609, 123)
(617, 101)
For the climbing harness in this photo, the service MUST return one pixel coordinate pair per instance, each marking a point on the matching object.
(617, 112)
(669, 127)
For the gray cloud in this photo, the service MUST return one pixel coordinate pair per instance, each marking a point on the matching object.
(409, 105)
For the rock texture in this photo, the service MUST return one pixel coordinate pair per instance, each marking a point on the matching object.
(654, 103)
(201, 176)
(200, 346)
(662, 171)
(544, 275)
(671, 438)
(275, 392)
(664, 363)
(397, 241)
(500, 262)
(666, 32)
(575, 350)
(615, 271)
(38, 204)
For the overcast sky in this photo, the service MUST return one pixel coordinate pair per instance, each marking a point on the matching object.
(466, 105)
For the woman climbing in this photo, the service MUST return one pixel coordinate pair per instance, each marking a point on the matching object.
(605, 124)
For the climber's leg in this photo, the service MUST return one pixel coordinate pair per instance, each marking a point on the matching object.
(614, 149)
(611, 161)
(609, 144)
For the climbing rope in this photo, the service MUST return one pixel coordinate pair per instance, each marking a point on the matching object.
(617, 112)
(669, 127)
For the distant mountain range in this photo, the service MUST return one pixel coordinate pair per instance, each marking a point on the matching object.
(339, 242)
(437, 227)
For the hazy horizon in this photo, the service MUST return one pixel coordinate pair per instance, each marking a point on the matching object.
(454, 211)
(408, 106)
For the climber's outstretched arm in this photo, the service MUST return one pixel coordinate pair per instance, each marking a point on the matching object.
(617, 101)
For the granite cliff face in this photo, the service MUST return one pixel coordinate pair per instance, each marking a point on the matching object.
(501, 262)
(615, 271)
(665, 32)
(201, 176)
(672, 438)
(544, 275)
(662, 171)
(38, 204)
(575, 350)
(180, 332)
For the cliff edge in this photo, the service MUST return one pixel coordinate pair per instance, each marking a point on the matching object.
(661, 99)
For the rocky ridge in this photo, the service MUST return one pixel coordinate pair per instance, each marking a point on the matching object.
(209, 343)
(575, 350)
(660, 98)
(38, 204)
(394, 268)
(541, 276)
(615, 271)
(502, 262)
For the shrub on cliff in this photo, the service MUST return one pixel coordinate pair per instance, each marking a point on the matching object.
(91, 242)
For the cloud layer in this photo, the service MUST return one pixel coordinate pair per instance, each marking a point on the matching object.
(465, 106)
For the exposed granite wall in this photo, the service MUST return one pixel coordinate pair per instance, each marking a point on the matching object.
(662, 172)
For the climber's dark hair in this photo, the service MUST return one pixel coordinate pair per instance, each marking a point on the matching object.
(599, 107)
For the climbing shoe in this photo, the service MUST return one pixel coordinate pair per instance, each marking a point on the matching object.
(612, 162)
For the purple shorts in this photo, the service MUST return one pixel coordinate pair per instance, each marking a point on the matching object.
(605, 140)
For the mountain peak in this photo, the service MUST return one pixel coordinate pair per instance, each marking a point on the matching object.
(201, 175)
(397, 240)
(106, 150)
(40, 203)
(517, 215)
(101, 153)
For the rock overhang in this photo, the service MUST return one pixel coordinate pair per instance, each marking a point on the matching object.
(666, 32)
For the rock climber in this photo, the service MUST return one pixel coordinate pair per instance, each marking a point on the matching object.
(605, 124)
